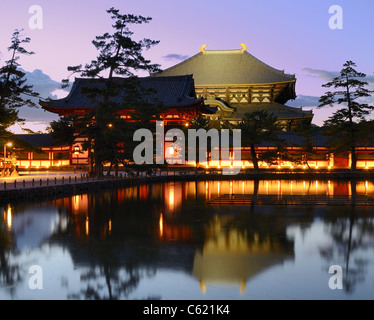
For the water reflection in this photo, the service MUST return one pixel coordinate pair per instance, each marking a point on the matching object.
(140, 242)
(351, 237)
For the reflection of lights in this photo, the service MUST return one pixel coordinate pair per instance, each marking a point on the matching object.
(231, 188)
(202, 287)
(87, 226)
(243, 286)
(76, 203)
(303, 187)
(9, 216)
(267, 187)
(161, 225)
(219, 188)
(291, 186)
(171, 197)
(110, 225)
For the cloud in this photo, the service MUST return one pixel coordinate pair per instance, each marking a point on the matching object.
(324, 74)
(304, 101)
(175, 57)
(43, 84)
(329, 75)
(47, 88)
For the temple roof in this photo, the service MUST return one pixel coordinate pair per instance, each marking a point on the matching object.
(219, 67)
(175, 91)
(37, 140)
(279, 110)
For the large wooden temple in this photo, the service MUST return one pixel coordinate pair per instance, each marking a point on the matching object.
(236, 82)
(174, 95)
(221, 84)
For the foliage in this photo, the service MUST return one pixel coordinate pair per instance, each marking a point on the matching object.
(14, 92)
(119, 55)
(63, 130)
(307, 133)
(258, 127)
(343, 128)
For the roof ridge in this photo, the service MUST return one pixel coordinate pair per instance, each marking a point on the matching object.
(251, 56)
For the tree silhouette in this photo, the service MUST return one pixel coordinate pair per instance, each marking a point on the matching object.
(343, 127)
(119, 55)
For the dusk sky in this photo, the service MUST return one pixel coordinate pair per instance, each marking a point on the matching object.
(292, 35)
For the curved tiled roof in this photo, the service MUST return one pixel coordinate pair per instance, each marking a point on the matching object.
(37, 140)
(279, 110)
(218, 67)
(173, 91)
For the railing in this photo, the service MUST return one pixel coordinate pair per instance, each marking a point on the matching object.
(18, 183)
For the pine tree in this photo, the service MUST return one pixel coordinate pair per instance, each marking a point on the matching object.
(343, 127)
(14, 92)
(119, 55)
(307, 133)
(258, 127)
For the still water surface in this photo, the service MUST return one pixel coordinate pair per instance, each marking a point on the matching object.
(166, 241)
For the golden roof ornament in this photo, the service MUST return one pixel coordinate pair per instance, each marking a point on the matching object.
(202, 48)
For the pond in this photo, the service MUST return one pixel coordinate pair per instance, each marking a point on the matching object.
(176, 241)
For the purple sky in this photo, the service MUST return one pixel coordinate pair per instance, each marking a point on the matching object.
(290, 35)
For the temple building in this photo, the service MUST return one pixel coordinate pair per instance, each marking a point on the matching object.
(222, 85)
(175, 95)
(236, 82)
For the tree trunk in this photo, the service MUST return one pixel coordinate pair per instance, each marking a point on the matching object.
(116, 170)
(110, 169)
(353, 158)
(254, 157)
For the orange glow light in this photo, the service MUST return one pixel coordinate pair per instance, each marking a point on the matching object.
(161, 225)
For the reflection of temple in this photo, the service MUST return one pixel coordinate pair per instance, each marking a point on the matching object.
(153, 227)
(229, 257)
(236, 82)
(161, 226)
